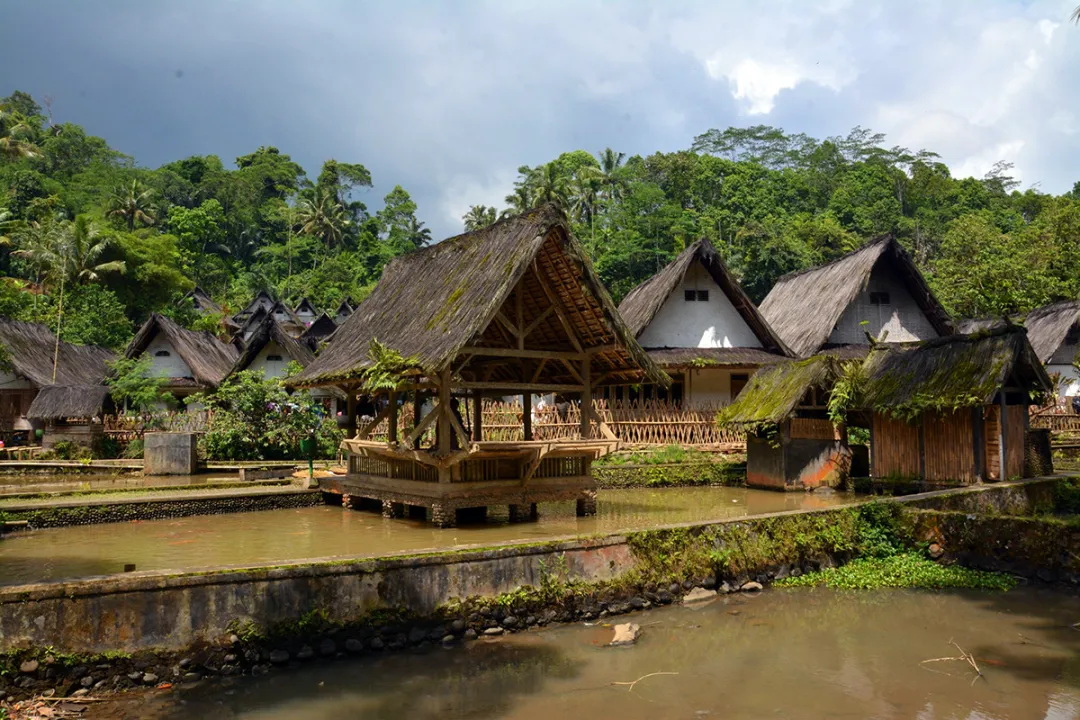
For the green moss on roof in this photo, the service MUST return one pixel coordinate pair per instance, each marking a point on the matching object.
(773, 392)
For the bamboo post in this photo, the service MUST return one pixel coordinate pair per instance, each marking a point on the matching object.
(392, 420)
(1002, 454)
(586, 397)
(417, 407)
(444, 428)
(478, 416)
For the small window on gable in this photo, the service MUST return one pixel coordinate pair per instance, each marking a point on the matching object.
(161, 353)
(690, 295)
(703, 295)
(273, 358)
(879, 298)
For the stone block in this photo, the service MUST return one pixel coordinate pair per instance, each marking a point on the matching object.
(169, 453)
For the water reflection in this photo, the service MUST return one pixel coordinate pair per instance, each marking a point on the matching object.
(792, 654)
(277, 536)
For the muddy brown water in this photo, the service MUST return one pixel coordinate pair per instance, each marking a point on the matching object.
(804, 654)
(12, 484)
(278, 536)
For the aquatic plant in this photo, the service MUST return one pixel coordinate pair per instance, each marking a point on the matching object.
(906, 570)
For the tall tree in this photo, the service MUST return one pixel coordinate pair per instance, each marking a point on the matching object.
(134, 203)
(479, 217)
(323, 217)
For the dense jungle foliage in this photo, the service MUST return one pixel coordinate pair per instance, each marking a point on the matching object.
(82, 221)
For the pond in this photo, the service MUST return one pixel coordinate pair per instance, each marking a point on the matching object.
(277, 536)
(782, 653)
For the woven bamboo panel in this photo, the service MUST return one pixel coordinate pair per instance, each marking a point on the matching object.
(813, 429)
(896, 447)
(992, 433)
(1014, 441)
(950, 446)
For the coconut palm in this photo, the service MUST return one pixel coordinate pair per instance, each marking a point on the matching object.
(520, 200)
(134, 203)
(83, 248)
(584, 196)
(479, 217)
(550, 185)
(322, 216)
(610, 165)
(418, 234)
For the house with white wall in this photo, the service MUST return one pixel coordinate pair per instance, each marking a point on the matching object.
(874, 292)
(189, 361)
(697, 323)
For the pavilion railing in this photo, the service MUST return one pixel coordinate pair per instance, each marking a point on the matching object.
(649, 422)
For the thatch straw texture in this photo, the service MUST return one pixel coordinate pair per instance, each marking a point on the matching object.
(210, 359)
(804, 307)
(319, 331)
(1047, 327)
(709, 357)
(58, 402)
(774, 392)
(950, 372)
(203, 302)
(641, 304)
(29, 348)
(432, 303)
(267, 331)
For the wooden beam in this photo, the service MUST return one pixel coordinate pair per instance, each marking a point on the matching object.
(516, 353)
(526, 407)
(365, 432)
(505, 322)
(610, 347)
(537, 320)
(392, 422)
(519, 311)
(573, 371)
(414, 437)
(560, 311)
(539, 369)
(514, 388)
(459, 430)
(421, 428)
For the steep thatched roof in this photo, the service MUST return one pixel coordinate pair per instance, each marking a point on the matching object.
(58, 402)
(804, 307)
(28, 348)
(642, 303)
(1047, 327)
(950, 372)
(432, 303)
(305, 306)
(774, 392)
(705, 357)
(320, 329)
(210, 359)
(203, 302)
(270, 330)
(261, 300)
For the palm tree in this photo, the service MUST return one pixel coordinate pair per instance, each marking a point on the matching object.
(134, 203)
(610, 165)
(1075, 17)
(520, 200)
(84, 247)
(16, 136)
(418, 234)
(322, 217)
(479, 217)
(549, 185)
(585, 195)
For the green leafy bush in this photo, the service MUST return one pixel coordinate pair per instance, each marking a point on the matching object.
(255, 418)
(906, 570)
(1067, 497)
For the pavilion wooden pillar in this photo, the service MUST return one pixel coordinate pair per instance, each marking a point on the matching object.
(526, 404)
(586, 398)
(478, 416)
(417, 406)
(392, 419)
(443, 421)
(350, 411)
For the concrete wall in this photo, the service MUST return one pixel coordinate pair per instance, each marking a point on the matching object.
(167, 453)
(708, 386)
(711, 324)
(902, 317)
(89, 434)
(11, 381)
(797, 464)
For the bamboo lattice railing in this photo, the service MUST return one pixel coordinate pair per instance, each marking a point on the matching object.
(635, 423)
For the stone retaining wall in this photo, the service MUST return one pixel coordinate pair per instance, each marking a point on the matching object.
(148, 508)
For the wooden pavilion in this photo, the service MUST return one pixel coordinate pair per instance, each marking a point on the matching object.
(514, 308)
(952, 410)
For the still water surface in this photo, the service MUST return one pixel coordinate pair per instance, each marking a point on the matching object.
(277, 536)
(784, 654)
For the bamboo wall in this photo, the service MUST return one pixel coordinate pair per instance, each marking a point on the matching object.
(1014, 441)
(895, 448)
(949, 446)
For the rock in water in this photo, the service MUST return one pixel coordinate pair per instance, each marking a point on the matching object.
(625, 634)
(751, 586)
(698, 595)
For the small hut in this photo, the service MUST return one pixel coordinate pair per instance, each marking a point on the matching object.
(270, 350)
(27, 355)
(190, 361)
(791, 444)
(876, 290)
(72, 413)
(953, 409)
(512, 309)
(203, 303)
(344, 310)
(696, 322)
(319, 332)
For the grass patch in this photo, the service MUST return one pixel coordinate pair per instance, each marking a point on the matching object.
(667, 455)
(906, 570)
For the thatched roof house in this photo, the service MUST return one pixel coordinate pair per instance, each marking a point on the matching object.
(270, 349)
(344, 310)
(27, 351)
(203, 302)
(262, 300)
(445, 307)
(952, 409)
(776, 393)
(61, 402)
(190, 361)
(305, 311)
(876, 290)
(1054, 333)
(319, 331)
(693, 317)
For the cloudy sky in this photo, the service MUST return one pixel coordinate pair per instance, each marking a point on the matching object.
(449, 98)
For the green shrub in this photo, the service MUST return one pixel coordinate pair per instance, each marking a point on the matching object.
(134, 450)
(1067, 497)
(906, 570)
(67, 450)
